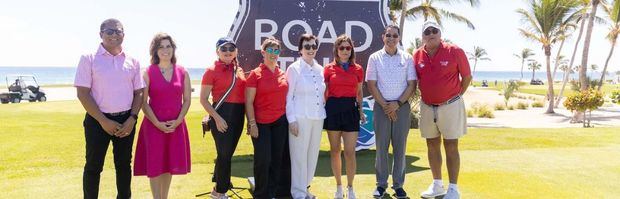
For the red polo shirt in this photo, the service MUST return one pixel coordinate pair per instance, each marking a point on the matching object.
(271, 89)
(440, 76)
(220, 77)
(341, 83)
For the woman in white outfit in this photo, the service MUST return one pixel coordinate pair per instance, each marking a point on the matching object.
(305, 111)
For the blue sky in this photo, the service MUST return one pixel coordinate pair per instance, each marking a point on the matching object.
(56, 33)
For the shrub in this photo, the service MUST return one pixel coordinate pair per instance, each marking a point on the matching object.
(500, 107)
(481, 110)
(583, 101)
(615, 96)
(538, 104)
(470, 113)
(511, 107)
(485, 112)
(522, 105)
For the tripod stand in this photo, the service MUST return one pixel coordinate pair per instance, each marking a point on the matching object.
(234, 190)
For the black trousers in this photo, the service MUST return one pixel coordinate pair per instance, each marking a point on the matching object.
(226, 143)
(97, 142)
(269, 158)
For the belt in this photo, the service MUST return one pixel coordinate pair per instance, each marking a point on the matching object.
(435, 106)
(118, 113)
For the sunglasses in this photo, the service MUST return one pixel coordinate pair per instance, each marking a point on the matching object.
(313, 46)
(391, 36)
(273, 51)
(227, 49)
(342, 48)
(112, 31)
(428, 31)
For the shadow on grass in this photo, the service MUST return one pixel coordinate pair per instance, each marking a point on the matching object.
(242, 164)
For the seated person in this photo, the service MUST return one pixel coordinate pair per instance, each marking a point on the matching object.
(15, 87)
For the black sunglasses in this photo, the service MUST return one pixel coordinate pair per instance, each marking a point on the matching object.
(229, 49)
(428, 31)
(313, 46)
(391, 35)
(342, 48)
(112, 31)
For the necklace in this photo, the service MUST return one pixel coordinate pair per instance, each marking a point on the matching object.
(164, 70)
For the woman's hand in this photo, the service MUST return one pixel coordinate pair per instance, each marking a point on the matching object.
(173, 124)
(252, 129)
(162, 126)
(220, 124)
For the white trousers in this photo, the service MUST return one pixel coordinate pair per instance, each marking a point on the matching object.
(304, 150)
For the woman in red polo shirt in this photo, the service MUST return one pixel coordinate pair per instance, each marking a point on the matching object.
(265, 103)
(343, 78)
(227, 121)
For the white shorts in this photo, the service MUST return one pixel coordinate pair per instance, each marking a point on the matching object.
(450, 120)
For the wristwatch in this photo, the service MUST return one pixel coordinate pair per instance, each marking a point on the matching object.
(135, 116)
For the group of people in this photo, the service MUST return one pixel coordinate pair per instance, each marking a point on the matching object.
(284, 112)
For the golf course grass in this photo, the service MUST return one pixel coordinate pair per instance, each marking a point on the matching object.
(42, 156)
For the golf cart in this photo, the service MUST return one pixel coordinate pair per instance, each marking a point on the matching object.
(24, 87)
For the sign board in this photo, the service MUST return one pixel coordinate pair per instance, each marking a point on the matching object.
(286, 20)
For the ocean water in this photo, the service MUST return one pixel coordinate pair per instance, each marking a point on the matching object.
(65, 75)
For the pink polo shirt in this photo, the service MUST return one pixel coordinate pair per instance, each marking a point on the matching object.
(111, 79)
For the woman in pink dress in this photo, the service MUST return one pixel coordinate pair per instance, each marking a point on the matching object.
(163, 144)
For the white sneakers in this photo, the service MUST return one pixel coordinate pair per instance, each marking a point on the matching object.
(453, 193)
(350, 193)
(434, 190)
(340, 194)
(437, 189)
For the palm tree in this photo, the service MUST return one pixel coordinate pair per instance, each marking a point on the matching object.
(525, 54)
(414, 45)
(533, 65)
(478, 54)
(593, 67)
(426, 9)
(578, 17)
(586, 47)
(543, 24)
(565, 31)
(612, 14)
(398, 5)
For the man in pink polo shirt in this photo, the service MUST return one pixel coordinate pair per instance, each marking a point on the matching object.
(109, 86)
(443, 75)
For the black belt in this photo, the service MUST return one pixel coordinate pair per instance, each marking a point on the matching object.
(118, 113)
(435, 106)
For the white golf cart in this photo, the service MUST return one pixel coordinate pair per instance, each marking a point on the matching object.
(23, 87)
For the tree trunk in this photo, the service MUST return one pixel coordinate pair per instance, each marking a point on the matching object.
(549, 80)
(533, 72)
(600, 83)
(475, 63)
(557, 58)
(572, 59)
(583, 69)
(522, 62)
(403, 14)
(564, 81)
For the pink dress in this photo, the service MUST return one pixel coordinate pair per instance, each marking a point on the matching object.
(158, 152)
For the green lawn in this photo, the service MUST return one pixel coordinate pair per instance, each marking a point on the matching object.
(542, 89)
(42, 155)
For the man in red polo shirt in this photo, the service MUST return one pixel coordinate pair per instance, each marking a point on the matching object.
(443, 75)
